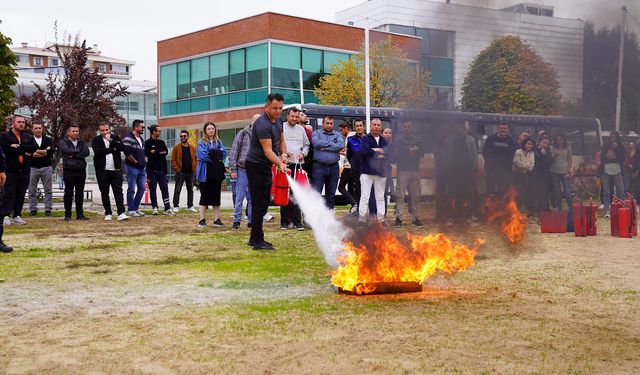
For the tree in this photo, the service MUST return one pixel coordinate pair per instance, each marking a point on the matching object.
(394, 81)
(76, 95)
(510, 77)
(7, 76)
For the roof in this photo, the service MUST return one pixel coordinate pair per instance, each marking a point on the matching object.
(49, 50)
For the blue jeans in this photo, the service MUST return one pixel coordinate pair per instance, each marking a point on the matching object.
(607, 182)
(241, 192)
(558, 179)
(136, 178)
(326, 176)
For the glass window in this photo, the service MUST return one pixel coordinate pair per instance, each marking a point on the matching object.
(227, 136)
(441, 71)
(219, 102)
(236, 70)
(220, 74)
(168, 109)
(424, 34)
(200, 76)
(256, 96)
(285, 63)
(168, 83)
(184, 79)
(311, 67)
(237, 99)
(441, 43)
(257, 66)
(333, 58)
(290, 96)
(199, 105)
(184, 106)
(310, 97)
(399, 29)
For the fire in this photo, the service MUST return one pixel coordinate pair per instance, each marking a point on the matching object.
(513, 223)
(382, 257)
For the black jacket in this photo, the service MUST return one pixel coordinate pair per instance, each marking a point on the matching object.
(25, 146)
(100, 152)
(156, 161)
(73, 157)
(44, 161)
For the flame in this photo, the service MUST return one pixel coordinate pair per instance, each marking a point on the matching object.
(513, 223)
(382, 257)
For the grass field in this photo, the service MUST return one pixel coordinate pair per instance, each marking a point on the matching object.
(158, 295)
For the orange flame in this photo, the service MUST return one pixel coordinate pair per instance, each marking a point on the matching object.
(513, 223)
(383, 258)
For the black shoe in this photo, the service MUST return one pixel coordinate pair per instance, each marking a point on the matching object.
(218, 223)
(47, 213)
(248, 225)
(33, 213)
(236, 225)
(250, 243)
(299, 227)
(67, 218)
(82, 218)
(4, 248)
(264, 245)
(284, 226)
(417, 223)
(398, 222)
(202, 223)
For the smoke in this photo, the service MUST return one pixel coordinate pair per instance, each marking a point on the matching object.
(327, 230)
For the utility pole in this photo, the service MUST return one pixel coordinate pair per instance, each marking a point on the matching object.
(620, 63)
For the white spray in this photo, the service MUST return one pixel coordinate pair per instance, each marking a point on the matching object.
(327, 230)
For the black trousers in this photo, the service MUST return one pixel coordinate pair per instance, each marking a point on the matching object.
(158, 178)
(259, 176)
(114, 180)
(347, 178)
(14, 190)
(182, 178)
(73, 187)
(291, 212)
(498, 180)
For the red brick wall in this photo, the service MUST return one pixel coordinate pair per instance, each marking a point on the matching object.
(199, 120)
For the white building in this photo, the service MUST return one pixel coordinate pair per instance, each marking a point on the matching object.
(470, 29)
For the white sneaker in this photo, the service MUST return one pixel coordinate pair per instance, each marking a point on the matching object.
(601, 207)
(134, 214)
(193, 209)
(19, 221)
(169, 212)
(6, 221)
(155, 211)
(267, 217)
(140, 213)
(107, 217)
(123, 216)
(245, 218)
(176, 209)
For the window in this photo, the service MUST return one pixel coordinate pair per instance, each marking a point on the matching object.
(311, 68)
(119, 69)
(440, 43)
(441, 71)
(285, 63)
(168, 83)
(200, 77)
(219, 102)
(184, 79)
(23, 58)
(237, 70)
(102, 67)
(331, 58)
(220, 74)
(400, 29)
(256, 96)
(53, 61)
(257, 66)
(168, 109)
(237, 99)
(199, 105)
(424, 34)
(37, 61)
(290, 96)
(134, 106)
(184, 106)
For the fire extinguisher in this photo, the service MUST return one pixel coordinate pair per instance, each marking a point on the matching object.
(146, 191)
(300, 176)
(632, 204)
(624, 222)
(579, 219)
(615, 206)
(591, 218)
(281, 195)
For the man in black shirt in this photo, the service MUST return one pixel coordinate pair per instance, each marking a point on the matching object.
(108, 163)
(74, 151)
(267, 143)
(41, 169)
(498, 153)
(156, 151)
(184, 162)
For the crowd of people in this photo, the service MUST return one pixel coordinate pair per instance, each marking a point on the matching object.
(356, 163)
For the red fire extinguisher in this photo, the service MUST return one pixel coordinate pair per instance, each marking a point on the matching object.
(300, 176)
(624, 222)
(281, 195)
(579, 219)
(590, 212)
(632, 204)
(615, 206)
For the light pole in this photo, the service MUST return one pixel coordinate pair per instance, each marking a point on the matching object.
(144, 104)
(620, 64)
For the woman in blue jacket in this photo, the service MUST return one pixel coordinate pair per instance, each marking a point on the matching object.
(210, 172)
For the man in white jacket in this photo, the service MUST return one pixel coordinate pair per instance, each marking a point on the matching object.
(297, 143)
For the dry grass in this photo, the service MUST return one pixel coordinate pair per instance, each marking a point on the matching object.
(157, 295)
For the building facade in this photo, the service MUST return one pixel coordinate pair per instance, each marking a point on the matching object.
(224, 73)
(454, 34)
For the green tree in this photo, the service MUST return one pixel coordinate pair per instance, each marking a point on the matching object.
(510, 77)
(395, 81)
(7, 76)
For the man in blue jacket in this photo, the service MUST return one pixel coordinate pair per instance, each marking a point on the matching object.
(373, 153)
(135, 165)
(327, 144)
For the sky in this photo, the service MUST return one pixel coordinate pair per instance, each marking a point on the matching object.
(130, 29)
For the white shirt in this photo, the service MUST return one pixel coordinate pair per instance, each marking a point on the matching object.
(109, 164)
(38, 140)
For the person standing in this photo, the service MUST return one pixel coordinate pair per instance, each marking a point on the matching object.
(184, 162)
(74, 151)
(561, 171)
(611, 163)
(156, 151)
(372, 172)
(308, 160)
(498, 153)
(107, 161)
(135, 164)
(354, 143)
(237, 160)
(267, 147)
(41, 169)
(297, 145)
(523, 163)
(540, 175)
(4, 248)
(347, 182)
(409, 151)
(17, 147)
(459, 161)
(210, 172)
(327, 144)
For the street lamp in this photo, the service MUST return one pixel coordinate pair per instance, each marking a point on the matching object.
(144, 104)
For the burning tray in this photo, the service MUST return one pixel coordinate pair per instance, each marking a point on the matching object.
(382, 288)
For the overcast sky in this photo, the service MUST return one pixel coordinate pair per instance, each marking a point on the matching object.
(130, 29)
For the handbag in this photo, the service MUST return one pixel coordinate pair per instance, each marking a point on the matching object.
(215, 169)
